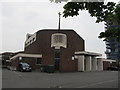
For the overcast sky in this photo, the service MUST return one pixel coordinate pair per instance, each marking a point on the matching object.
(20, 18)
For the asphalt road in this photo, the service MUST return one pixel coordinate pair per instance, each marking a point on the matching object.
(99, 79)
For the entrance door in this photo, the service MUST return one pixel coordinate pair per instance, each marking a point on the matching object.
(57, 59)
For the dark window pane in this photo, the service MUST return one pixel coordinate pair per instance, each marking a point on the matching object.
(38, 61)
(57, 53)
(58, 38)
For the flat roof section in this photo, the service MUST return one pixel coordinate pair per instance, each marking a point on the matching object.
(108, 60)
(87, 53)
(27, 55)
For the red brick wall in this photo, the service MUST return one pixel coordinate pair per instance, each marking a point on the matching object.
(31, 61)
(42, 45)
(107, 64)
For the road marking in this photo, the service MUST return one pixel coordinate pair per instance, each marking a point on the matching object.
(96, 83)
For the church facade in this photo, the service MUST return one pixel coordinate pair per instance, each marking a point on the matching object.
(64, 49)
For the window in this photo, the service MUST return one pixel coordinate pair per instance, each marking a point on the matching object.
(30, 39)
(57, 59)
(38, 61)
(59, 40)
(57, 53)
(33, 39)
(116, 49)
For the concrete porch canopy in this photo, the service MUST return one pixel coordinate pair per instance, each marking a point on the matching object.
(87, 61)
(87, 53)
(26, 55)
(109, 60)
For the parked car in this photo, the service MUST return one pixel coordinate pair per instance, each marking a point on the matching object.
(113, 68)
(24, 67)
(47, 68)
(43, 68)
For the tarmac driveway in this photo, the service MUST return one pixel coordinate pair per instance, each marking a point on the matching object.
(36, 79)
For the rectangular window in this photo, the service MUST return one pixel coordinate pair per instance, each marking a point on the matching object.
(57, 59)
(57, 53)
(58, 39)
(116, 49)
(38, 61)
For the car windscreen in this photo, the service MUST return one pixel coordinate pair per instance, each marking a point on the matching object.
(25, 65)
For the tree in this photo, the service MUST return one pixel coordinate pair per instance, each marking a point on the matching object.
(110, 13)
(97, 9)
(112, 26)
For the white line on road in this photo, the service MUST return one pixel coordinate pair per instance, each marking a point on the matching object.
(96, 83)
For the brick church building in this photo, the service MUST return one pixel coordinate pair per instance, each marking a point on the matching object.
(64, 49)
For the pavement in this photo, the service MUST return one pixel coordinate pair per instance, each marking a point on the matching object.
(37, 79)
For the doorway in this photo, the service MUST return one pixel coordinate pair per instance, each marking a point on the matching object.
(57, 59)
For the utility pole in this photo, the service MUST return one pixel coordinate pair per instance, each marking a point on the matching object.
(59, 21)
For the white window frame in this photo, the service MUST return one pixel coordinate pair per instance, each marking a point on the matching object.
(63, 43)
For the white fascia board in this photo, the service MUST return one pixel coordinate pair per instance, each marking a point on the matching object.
(87, 53)
(27, 55)
(109, 60)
